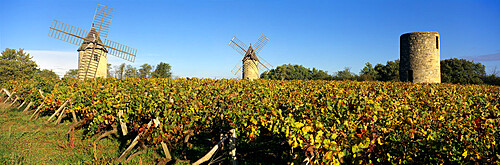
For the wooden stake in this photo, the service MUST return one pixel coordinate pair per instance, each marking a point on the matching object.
(24, 102)
(132, 145)
(41, 93)
(17, 98)
(60, 116)
(123, 125)
(232, 147)
(211, 153)
(5, 101)
(6, 92)
(74, 116)
(60, 108)
(28, 107)
(36, 111)
(143, 151)
(165, 150)
(10, 95)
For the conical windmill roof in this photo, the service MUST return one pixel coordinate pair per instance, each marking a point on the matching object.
(92, 40)
(250, 54)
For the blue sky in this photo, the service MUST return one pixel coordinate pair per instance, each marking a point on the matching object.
(193, 36)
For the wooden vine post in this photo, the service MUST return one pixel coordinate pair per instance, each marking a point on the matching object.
(36, 111)
(28, 107)
(10, 95)
(232, 152)
(24, 102)
(40, 106)
(58, 110)
(17, 98)
(123, 125)
(232, 146)
(135, 141)
(6, 92)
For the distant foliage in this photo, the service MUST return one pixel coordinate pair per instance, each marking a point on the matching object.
(345, 74)
(145, 71)
(295, 72)
(16, 65)
(491, 80)
(72, 73)
(47, 73)
(108, 72)
(120, 70)
(162, 71)
(368, 73)
(461, 71)
(131, 72)
(388, 72)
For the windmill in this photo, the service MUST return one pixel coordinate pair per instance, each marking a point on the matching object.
(251, 58)
(92, 53)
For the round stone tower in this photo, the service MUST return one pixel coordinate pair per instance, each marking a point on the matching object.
(419, 55)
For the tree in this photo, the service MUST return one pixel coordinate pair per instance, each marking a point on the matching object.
(295, 72)
(368, 73)
(108, 72)
(47, 73)
(162, 71)
(388, 72)
(345, 74)
(145, 71)
(120, 70)
(130, 71)
(72, 73)
(320, 75)
(462, 71)
(16, 65)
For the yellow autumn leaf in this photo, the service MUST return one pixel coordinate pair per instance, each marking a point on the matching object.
(464, 154)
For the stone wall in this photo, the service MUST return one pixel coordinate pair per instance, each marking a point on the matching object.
(420, 57)
(250, 69)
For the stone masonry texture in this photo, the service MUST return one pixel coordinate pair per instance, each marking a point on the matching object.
(420, 58)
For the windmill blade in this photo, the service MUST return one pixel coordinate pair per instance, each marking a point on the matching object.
(120, 50)
(266, 65)
(239, 46)
(261, 42)
(102, 20)
(235, 72)
(68, 33)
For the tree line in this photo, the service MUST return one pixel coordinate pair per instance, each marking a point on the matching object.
(162, 70)
(18, 65)
(457, 71)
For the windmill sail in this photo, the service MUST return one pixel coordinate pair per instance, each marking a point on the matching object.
(261, 42)
(102, 20)
(120, 50)
(239, 46)
(67, 33)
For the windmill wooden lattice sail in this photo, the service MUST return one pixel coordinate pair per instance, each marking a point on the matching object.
(92, 61)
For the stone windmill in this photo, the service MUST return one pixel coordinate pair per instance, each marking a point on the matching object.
(251, 59)
(92, 53)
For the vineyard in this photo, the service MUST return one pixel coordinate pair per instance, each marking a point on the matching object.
(322, 121)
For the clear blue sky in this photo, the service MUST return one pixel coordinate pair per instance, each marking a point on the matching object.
(193, 36)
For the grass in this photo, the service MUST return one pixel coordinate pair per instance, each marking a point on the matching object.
(33, 142)
(24, 141)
